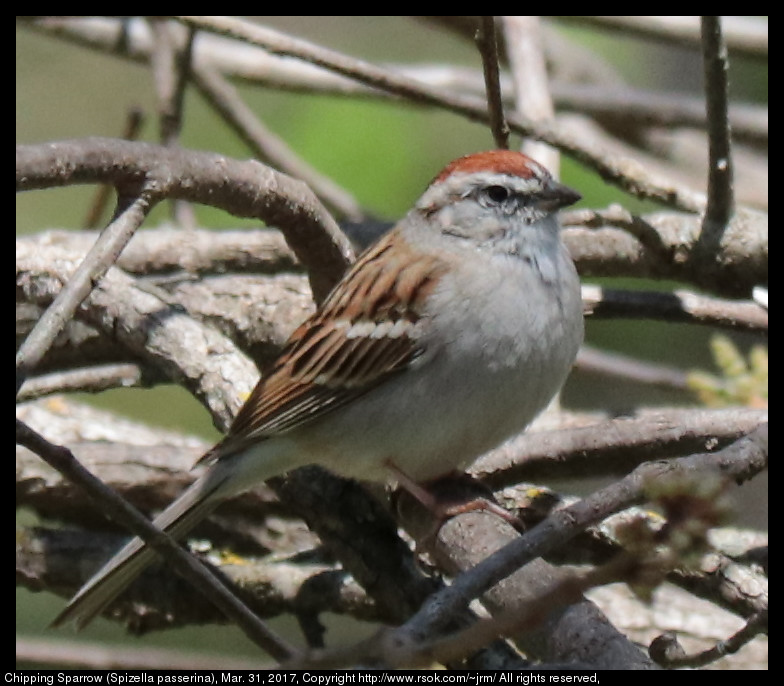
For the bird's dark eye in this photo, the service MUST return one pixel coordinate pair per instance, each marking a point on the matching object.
(497, 193)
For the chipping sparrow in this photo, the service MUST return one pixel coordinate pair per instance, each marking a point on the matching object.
(447, 336)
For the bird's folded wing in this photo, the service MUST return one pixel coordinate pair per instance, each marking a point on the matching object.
(366, 330)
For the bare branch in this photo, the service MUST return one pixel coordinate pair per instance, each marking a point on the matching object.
(82, 655)
(668, 653)
(560, 635)
(91, 379)
(179, 255)
(675, 306)
(197, 355)
(133, 125)
(171, 67)
(624, 172)
(270, 585)
(721, 195)
(179, 317)
(488, 49)
(100, 258)
(522, 619)
(612, 105)
(246, 189)
(605, 101)
(612, 364)
(617, 169)
(614, 446)
(738, 461)
(255, 509)
(269, 147)
(525, 54)
(61, 459)
(259, 313)
(734, 583)
(727, 574)
(745, 35)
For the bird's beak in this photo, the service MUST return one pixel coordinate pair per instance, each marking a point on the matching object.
(555, 195)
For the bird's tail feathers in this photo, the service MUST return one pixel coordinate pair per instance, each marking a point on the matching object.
(230, 474)
(129, 562)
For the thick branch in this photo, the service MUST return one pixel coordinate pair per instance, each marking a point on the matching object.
(245, 189)
(613, 447)
(195, 354)
(666, 245)
(739, 461)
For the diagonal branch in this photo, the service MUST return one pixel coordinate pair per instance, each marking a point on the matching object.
(266, 145)
(101, 257)
(624, 172)
(738, 461)
(116, 507)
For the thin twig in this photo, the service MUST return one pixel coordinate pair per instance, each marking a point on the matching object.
(171, 70)
(488, 49)
(636, 107)
(720, 173)
(590, 359)
(625, 173)
(269, 147)
(277, 584)
(667, 246)
(668, 653)
(133, 124)
(675, 306)
(89, 379)
(102, 256)
(617, 169)
(118, 509)
(746, 35)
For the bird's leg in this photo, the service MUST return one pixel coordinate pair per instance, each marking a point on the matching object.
(449, 496)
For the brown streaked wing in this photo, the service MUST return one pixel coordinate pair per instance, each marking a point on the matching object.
(323, 367)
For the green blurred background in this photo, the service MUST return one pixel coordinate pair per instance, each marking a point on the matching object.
(385, 154)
